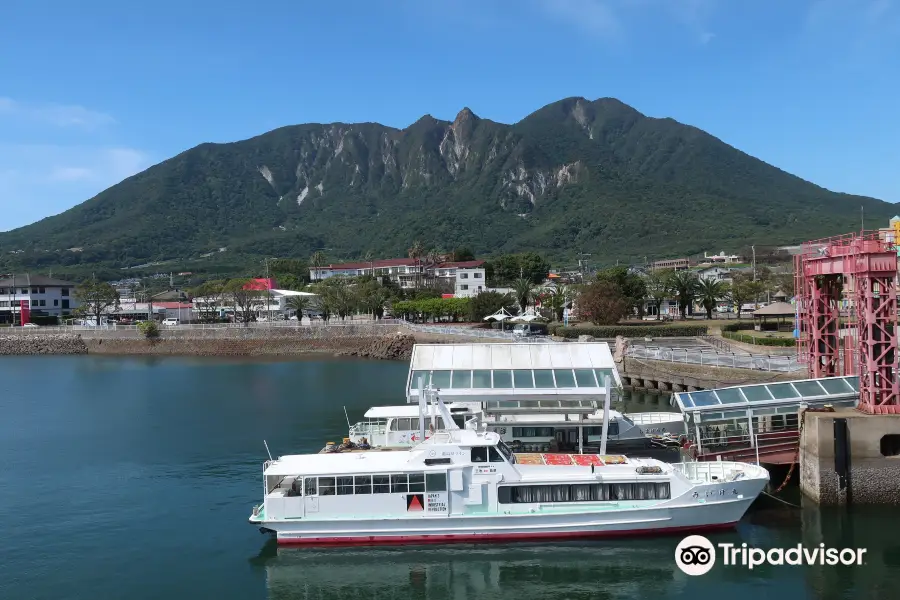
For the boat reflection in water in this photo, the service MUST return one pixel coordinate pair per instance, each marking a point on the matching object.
(639, 569)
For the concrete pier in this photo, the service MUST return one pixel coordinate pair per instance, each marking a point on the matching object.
(856, 461)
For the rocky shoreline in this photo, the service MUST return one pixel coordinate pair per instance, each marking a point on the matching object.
(30, 344)
(391, 346)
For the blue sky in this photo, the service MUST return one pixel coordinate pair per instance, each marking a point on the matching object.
(94, 91)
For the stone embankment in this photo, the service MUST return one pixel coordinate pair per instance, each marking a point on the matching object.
(24, 345)
(371, 343)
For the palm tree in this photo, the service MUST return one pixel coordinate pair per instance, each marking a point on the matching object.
(557, 299)
(709, 292)
(684, 285)
(415, 252)
(298, 304)
(524, 292)
(317, 261)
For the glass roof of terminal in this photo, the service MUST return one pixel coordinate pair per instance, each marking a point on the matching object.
(552, 371)
(787, 392)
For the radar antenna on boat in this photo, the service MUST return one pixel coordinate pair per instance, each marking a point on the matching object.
(267, 450)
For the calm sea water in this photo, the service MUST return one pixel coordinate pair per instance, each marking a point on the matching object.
(133, 478)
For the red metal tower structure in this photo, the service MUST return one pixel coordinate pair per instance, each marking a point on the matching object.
(863, 340)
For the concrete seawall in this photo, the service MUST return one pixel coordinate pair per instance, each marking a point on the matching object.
(23, 345)
(391, 342)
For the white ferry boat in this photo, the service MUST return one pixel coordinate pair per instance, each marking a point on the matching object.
(466, 485)
(397, 427)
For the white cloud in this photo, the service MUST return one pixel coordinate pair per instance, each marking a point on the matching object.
(55, 156)
(597, 17)
(40, 180)
(613, 19)
(59, 115)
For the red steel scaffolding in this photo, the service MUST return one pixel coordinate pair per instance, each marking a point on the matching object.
(846, 291)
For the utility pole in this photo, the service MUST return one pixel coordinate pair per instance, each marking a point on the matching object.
(268, 295)
(753, 249)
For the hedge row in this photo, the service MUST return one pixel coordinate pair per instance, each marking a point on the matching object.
(634, 331)
(760, 341)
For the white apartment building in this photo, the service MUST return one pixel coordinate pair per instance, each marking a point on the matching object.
(466, 278)
(38, 295)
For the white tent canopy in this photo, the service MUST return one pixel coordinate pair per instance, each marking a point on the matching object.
(499, 315)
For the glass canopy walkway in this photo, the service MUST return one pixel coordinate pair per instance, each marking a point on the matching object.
(759, 418)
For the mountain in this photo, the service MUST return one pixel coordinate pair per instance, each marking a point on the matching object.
(575, 176)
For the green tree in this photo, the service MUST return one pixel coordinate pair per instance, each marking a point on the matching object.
(243, 298)
(524, 292)
(372, 297)
(744, 291)
(462, 254)
(316, 262)
(710, 292)
(208, 297)
(633, 286)
(556, 300)
(488, 303)
(602, 303)
(416, 252)
(507, 268)
(97, 298)
(659, 287)
(684, 286)
(298, 304)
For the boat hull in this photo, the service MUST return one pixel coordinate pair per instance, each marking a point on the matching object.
(486, 538)
(684, 515)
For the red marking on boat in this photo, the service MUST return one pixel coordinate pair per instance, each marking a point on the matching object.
(474, 538)
(586, 460)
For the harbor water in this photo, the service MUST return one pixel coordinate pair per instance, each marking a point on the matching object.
(133, 478)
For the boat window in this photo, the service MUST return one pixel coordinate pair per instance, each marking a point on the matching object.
(416, 482)
(345, 486)
(481, 378)
(460, 421)
(438, 461)
(440, 379)
(522, 378)
(520, 494)
(381, 484)
(326, 486)
(495, 455)
(503, 379)
(543, 379)
(531, 432)
(363, 484)
(310, 486)
(479, 454)
(585, 378)
(436, 482)
(626, 419)
(504, 449)
(461, 379)
(613, 429)
(399, 483)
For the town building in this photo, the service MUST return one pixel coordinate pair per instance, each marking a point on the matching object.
(720, 259)
(678, 264)
(404, 271)
(465, 278)
(715, 273)
(23, 297)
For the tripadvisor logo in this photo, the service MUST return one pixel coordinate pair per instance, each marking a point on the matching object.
(696, 555)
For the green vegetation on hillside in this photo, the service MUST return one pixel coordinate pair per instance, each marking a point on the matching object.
(575, 176)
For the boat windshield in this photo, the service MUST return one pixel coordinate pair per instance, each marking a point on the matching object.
(626, 419)
(504, 449)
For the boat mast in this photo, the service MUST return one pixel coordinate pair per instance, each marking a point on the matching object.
(422, 406)
(606, 393)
